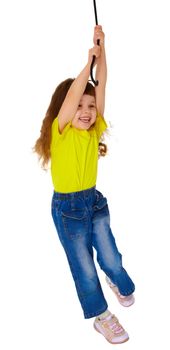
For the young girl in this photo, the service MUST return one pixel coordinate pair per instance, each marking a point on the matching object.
(70, 136)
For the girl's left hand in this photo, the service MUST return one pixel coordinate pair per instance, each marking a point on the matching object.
(94, 51)
(98, 35)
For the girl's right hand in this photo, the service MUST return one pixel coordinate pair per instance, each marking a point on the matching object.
(94, 51)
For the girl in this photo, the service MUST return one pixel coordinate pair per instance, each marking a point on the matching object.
(70, 136)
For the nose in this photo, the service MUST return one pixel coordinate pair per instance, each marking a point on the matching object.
(86, 110)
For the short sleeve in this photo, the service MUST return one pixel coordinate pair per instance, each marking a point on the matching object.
(100, 125)
(55, 130)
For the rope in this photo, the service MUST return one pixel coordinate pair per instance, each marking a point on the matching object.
(95, 12)
(95, 82)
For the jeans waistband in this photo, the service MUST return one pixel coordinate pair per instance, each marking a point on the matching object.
(72, 195)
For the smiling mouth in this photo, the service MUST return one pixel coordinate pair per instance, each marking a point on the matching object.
(85, 119)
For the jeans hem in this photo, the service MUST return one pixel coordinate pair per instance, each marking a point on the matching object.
(97, 313)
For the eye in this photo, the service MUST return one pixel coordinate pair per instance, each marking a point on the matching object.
(79, 106)
(92, 106)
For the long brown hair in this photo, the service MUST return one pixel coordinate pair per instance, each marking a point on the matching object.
(42, 145)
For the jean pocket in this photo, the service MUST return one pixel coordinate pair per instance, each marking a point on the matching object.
(75, 223)
(100, 207)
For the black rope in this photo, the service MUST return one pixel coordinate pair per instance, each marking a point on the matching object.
(95, 82)
(95, 12)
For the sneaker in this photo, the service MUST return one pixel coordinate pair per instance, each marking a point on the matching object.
(111, 329)
(123, 300)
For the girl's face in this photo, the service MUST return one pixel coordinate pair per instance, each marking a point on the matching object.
(86, 113)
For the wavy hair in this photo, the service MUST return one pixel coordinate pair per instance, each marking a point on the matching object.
(42, 145)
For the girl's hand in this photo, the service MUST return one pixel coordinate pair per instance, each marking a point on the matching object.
(98, 35)
(95, 51)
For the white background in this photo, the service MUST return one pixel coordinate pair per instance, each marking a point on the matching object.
(42, 43)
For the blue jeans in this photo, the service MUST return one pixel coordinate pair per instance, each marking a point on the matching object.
(82, 221)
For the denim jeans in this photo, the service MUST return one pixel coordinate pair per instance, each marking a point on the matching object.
(82, 221)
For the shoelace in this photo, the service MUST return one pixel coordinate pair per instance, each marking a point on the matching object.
(114, 324)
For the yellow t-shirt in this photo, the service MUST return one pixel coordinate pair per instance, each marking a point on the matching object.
(74, 156)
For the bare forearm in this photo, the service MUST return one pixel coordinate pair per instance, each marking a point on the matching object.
(74, 94)
(101, 70)
(79, 84)
(101, 76)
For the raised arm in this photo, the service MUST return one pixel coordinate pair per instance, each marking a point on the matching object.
(72, 99)
(101, 70)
